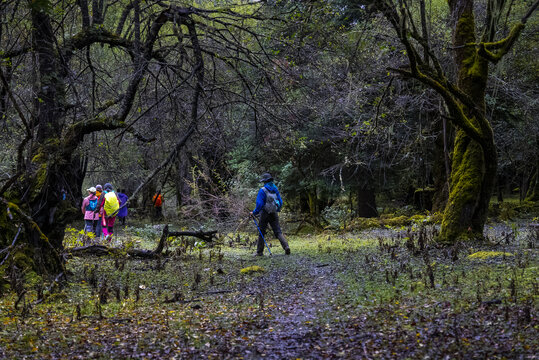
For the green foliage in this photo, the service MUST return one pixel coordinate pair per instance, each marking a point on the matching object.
(41, 5)
(511, 210)
(74, 238)
(337, 216)
(148, 233)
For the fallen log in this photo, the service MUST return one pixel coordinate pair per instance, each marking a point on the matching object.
(103, 250)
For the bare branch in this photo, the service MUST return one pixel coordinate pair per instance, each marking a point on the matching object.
(530, 11)
(458, 118)
(91, 36)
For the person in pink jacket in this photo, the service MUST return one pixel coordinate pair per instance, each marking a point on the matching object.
(89, 204)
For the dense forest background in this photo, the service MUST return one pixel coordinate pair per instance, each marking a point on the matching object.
(403, 136)
(195, 100)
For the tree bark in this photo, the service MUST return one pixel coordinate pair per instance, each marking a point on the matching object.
(313, 203)
(473, 164)
(51, 171)
(182, 178)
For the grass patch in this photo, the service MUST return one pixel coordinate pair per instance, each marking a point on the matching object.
(388, 293)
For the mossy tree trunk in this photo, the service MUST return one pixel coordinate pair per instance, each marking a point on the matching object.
(50, 171)
(474, 162)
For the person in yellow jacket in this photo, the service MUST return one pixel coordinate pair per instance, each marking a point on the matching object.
(108, 208)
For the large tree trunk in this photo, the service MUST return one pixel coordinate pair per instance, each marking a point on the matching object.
(473, 164)
(51, 171)
(366, 202)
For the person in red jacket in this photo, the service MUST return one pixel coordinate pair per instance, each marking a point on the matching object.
(157, 202)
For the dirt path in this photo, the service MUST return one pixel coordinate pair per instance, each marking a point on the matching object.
(297, 299)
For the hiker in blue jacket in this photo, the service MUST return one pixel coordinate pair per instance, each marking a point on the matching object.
(268, 204)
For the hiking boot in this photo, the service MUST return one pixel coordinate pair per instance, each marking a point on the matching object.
(257, 254)
(287, 251)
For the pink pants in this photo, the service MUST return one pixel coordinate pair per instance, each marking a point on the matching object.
(108, 224)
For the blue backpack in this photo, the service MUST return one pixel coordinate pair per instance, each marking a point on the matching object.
(92, 205)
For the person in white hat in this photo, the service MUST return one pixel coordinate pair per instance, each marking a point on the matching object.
(89, 204)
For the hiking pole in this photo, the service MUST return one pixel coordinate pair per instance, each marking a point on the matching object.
(260, 232)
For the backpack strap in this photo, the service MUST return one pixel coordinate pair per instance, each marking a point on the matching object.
(266, 191)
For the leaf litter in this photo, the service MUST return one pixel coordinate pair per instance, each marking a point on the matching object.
(354, 296)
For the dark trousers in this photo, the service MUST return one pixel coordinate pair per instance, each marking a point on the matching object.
(157, 213)
(273, 220)
(90, 225)
(99, 228)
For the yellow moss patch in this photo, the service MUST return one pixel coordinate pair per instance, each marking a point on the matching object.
(397, 221)
(391, 220)
(252, 269)
(482, 255)
(364, 223)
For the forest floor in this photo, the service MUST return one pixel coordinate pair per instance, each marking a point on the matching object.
(387, 293)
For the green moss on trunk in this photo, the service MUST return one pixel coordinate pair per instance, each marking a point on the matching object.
(466, 180)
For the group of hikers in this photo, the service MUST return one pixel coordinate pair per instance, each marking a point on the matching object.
(103, 205)
(101, 208)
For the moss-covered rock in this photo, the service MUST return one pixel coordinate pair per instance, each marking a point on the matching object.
(364, 223)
